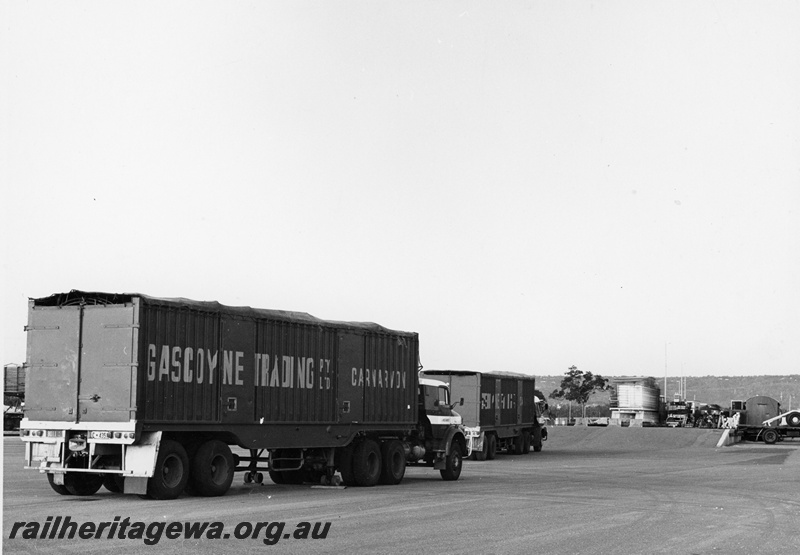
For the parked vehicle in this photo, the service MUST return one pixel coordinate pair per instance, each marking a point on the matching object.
(12, 413)
(146, 395)
(499, 410)
(762, 419)
(13, 396)
(679, 413)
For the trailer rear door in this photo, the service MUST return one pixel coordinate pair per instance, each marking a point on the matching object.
(82, 363)
(107, 384)
(53, 352)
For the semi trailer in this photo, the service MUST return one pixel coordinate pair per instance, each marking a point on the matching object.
(500, 411)
(146, 395)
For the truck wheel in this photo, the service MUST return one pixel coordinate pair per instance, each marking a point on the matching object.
(212, 469)
(114, 483)
(793, 419)
(770, 436)
(59, 489)
(519, 444)
(367, 463)
(452, 469)
(481, 455)
(83, 484)
(345, 464)
(491, 450)
(526, 442)
(171, 472)
(393, 458)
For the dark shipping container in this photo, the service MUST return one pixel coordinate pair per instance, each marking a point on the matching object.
(115, 380)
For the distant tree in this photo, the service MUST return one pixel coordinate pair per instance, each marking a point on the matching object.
(578, 386)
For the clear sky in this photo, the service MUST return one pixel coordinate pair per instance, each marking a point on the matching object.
(529, 185)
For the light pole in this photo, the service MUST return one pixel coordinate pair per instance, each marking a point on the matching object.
(665, 371)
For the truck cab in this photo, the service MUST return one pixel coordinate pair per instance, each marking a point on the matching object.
(435, 404)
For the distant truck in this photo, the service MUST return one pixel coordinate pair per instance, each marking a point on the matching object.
(679, 413)
(13, 395)
(762, 419)
(499, 411)
(12, 413)
(145, 395)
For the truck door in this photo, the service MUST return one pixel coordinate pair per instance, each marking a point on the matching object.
(350, 384)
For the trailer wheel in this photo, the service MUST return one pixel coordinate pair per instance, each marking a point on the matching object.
(393, 458)
(526, 442)
(491, 451)
(83, 484)
(452, 469)
(114, 483)
(770, 436)
(537, 437)
(367, 463)
(344, 462)
(793, 419)
(171, 472)
(519, 444)
(481, 455)
(212, 469)
(58, 488)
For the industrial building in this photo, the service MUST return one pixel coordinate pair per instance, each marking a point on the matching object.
(635, 401)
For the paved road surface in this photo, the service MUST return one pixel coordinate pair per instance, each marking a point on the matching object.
(591, 490)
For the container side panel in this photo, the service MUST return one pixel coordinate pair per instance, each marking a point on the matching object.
(528, 403)
(108, 363)
(509, 399)
(293, 368)
(389, 379)
(350, 378)
(182, 365)
(489, 401)
(237, 375)
(52, 365)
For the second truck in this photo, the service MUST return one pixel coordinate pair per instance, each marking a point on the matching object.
(500, 411)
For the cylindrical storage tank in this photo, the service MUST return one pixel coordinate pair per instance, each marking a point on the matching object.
(760, 408)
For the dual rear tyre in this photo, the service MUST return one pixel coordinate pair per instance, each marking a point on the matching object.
(212, 469)
(171, 473)
(368, 463)
(209, 474)
(393, 464)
